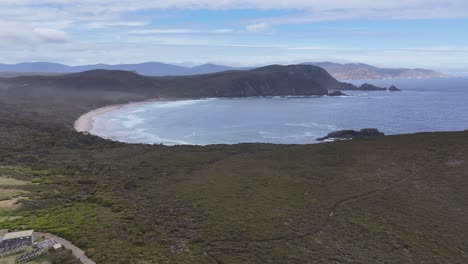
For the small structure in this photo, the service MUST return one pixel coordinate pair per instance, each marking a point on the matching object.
(2, 233)
(21, 237)
(26, 257)
(14, 242)
(57, 246)
(48, 243)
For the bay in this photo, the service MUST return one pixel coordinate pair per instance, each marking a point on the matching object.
(423, 106)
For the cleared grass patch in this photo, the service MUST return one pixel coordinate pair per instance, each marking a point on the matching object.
(6, 194)
(10, 205)
(7, 181)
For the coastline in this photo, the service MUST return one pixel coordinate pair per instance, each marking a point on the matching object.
(85, 122)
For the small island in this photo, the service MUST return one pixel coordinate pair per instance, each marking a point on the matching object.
(393, 88)
(351, 134)
(336, 93)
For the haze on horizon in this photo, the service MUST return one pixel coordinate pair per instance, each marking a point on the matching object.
(390, 33)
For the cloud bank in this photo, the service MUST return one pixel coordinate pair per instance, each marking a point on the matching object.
(115, 31)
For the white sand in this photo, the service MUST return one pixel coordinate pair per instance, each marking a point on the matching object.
(85, 122)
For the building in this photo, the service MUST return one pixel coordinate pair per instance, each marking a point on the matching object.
(57, 246)
(19, 237)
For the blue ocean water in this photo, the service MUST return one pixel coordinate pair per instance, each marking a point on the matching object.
(423, 106)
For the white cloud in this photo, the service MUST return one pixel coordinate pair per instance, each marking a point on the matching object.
(157, 31)
(104, 24)
(52, 35)
(14, 35)
(131, 5)
(221, 31)
(163, 31)
(314, 10)
(438, 49)
(178, 50)
(28, 27)
(257, 27)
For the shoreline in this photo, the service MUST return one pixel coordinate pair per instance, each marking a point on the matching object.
(85, 123)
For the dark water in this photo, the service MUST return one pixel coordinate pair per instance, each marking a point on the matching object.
(424, 105)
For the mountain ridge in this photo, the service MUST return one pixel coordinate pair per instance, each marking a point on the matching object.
(361, 71)
(347, 71)
(273, 80)
(145, 68)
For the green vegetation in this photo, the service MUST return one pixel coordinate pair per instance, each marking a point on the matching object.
(7, 193)
(271, 80)
(59, 257)
(13, 191)
(396, 199)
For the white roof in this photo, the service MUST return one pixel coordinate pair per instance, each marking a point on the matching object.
(57, 246)
(19, 234)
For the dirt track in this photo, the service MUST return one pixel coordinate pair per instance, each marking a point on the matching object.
(77, 252)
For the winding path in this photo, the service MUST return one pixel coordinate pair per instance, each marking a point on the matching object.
(390, 186)
(77, 252)
(339, 203)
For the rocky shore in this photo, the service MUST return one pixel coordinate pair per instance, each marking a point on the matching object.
(351, 134)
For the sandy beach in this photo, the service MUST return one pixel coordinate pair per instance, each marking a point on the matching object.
(86, 121)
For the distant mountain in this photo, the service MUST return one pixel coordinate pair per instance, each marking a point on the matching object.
(361, 71)
(16, 74)
(147, 68)
(351, 71)
(211, 68)
(274, 80)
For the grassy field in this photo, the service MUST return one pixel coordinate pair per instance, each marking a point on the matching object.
(395, 199)
(12, 192)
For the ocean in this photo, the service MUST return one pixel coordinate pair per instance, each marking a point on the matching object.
(423, 106)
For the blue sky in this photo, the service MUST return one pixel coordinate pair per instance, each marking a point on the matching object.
(411, 33)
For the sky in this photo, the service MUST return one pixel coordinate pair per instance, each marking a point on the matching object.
(388, 33)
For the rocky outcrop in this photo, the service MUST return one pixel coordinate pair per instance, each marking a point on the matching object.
(393, 89)
(336, 93)
(352, 134)
(365, 87)
(370, 87)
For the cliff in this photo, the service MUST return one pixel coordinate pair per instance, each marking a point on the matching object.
(274, 80)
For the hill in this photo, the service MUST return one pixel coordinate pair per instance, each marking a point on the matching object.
(349, 71)
(360, 71)
(272, 80)
(395, 199)
(17, 74)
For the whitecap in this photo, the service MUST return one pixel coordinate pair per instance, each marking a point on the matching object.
(312, 125)
(143, 137)
(180, 103)
(130, 121)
